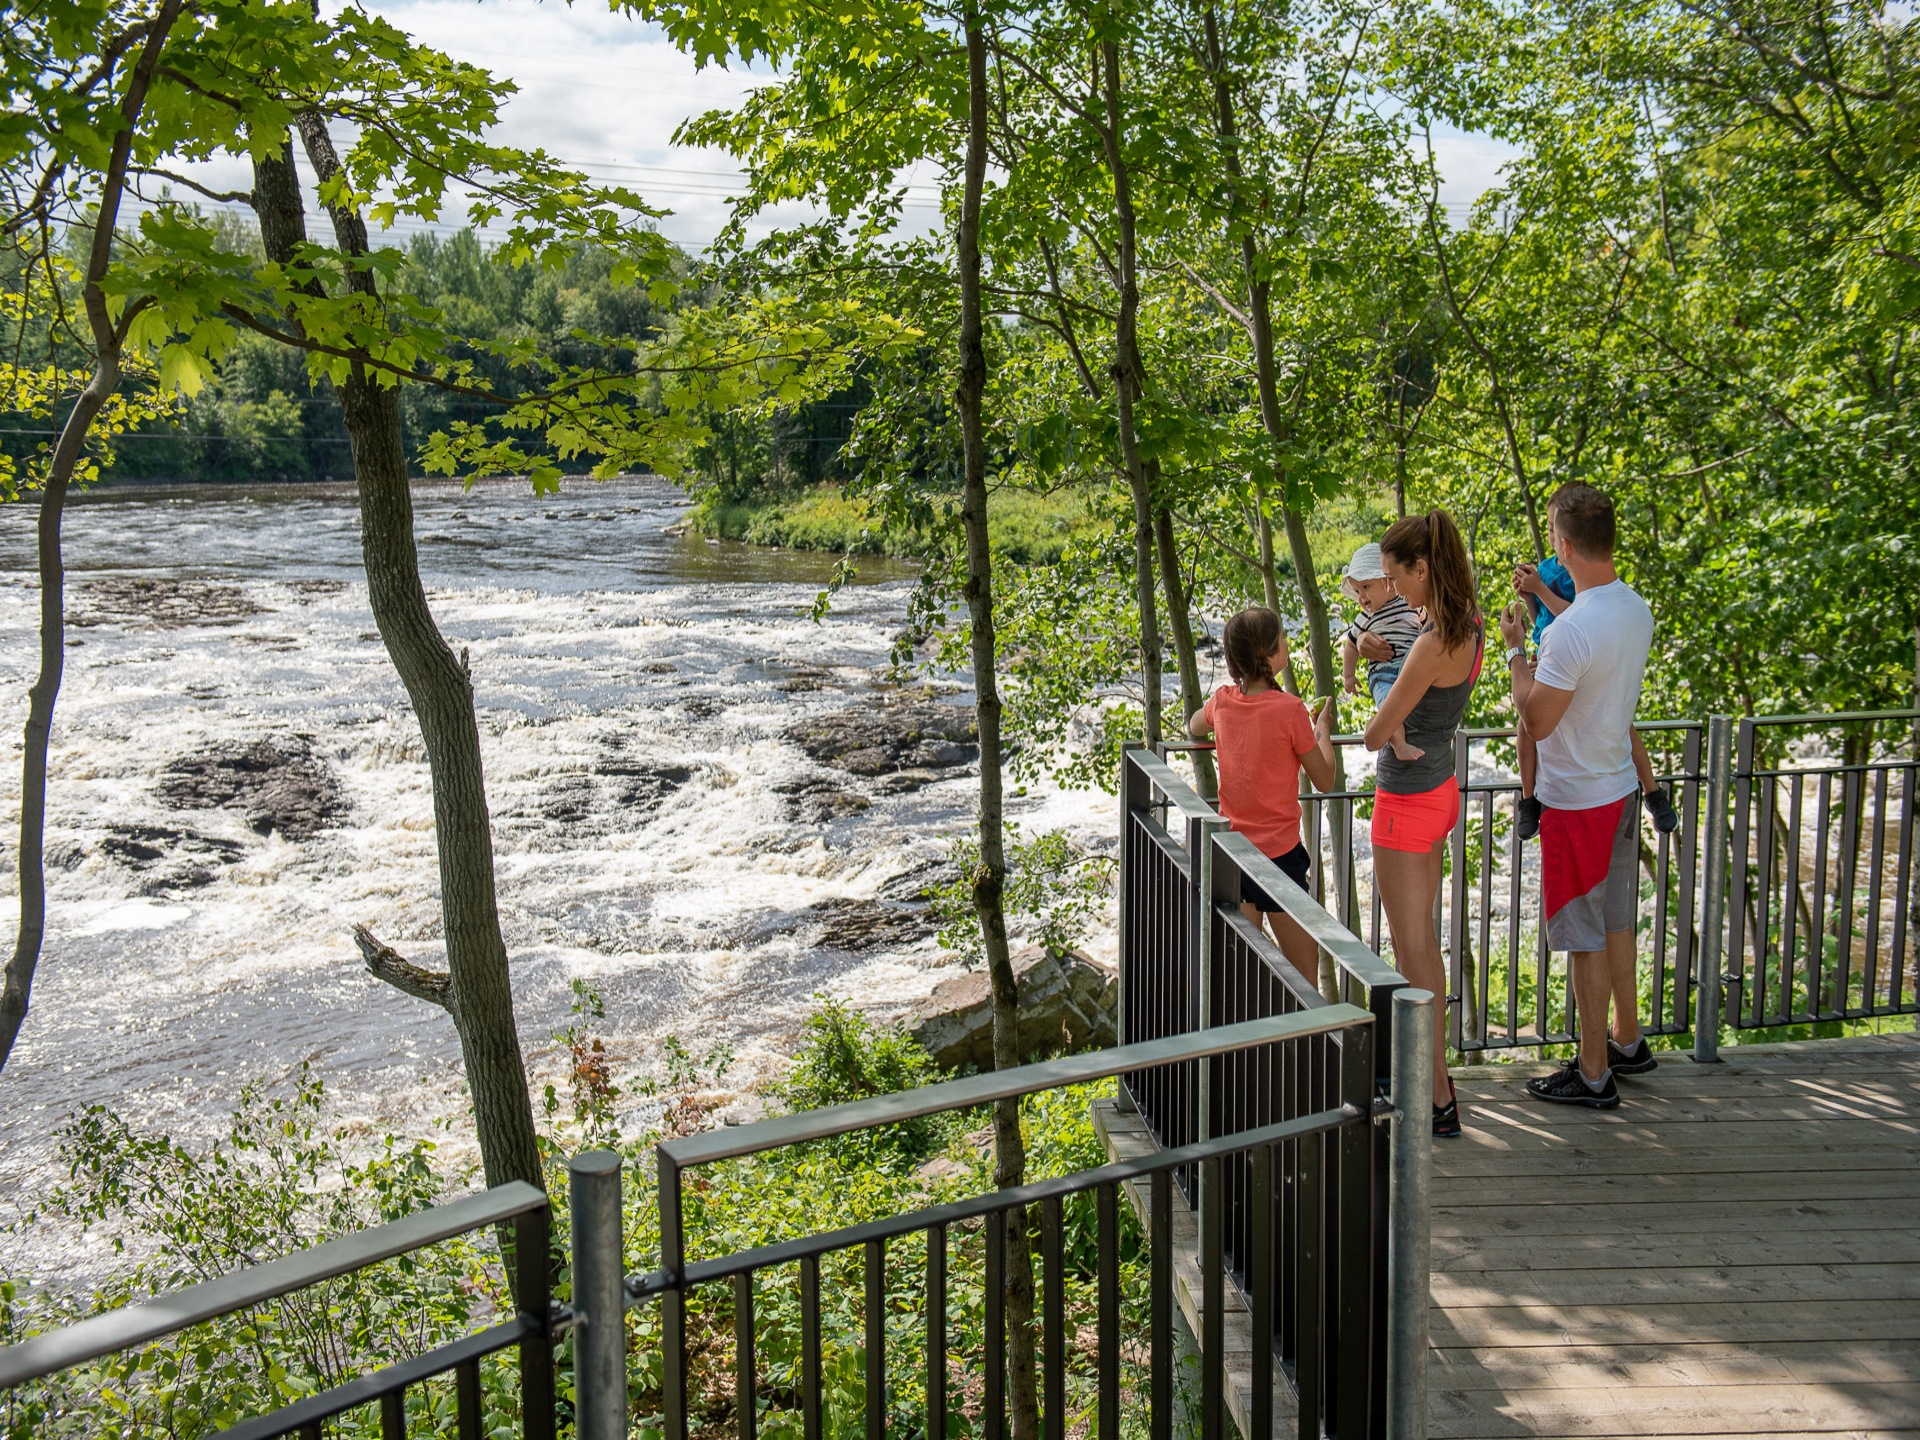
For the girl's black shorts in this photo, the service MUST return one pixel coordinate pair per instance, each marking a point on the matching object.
(1294, 865)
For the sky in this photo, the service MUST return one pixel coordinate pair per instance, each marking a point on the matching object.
(604, 94)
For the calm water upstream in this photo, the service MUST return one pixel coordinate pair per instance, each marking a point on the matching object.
(654, 827)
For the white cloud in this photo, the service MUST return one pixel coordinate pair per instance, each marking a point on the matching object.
(604, 93)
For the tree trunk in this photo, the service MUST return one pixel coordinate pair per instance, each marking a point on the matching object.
(989, 879)
(1128, 375)
(1313, 604)
(1180, 624)
(479, 992)
(16, 990)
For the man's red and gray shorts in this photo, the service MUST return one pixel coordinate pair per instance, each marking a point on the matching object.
(1590, 872)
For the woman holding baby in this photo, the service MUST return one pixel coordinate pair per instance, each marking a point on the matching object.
(1416, 797)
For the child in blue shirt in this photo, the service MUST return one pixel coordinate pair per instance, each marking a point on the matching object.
(1548, 590)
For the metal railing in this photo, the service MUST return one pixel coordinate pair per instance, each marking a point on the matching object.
(1827, 849)
(1820, 902)
(532, 1328)
(1310, 1236)
(1186, 951)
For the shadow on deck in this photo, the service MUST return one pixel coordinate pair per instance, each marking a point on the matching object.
(1733, 1251)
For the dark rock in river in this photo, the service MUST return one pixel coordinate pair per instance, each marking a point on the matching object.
(912, 731)
(1067, 1002)
(166, 602)
(866, 924)
(276, 784)
(169, 860)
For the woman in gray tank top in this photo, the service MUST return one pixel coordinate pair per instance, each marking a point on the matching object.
(1417, 801)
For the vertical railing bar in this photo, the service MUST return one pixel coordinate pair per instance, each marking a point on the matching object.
(1686, 956)
(1486, 913)
(1713, 892)
(1107, 1202)
(1903, 870)
(746, 1400)
(1309, 1267)
(936, 1332)
(1876, 871)
(1212, 1280)
(1354, 1391)
(1817, 922)
(994, 1416)
(470, 1421)
(533, 1266)
(1260, 1268)
(1456, 891)
(393, 1415)
(1736, 948)
(1160, 1307)
(1054, 1318)
(812, 1400)
(876, 1339)
(1516, 865)
(673, 1304)
(1763, 905)
(1847, 864)
(1663, 994)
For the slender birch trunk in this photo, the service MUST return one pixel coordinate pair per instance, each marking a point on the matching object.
(989, 879)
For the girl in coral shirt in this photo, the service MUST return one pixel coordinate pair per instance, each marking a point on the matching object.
(1264, 738)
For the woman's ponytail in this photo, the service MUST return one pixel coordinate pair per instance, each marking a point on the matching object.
(1452, 606)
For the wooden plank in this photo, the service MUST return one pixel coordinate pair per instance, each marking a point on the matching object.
(1625, 1252)
(1801, 1361)
(1634, 1188)
(1541, 1324)
(1467, 1161)
(1801, 1103)
(1540, 1128)
(1677, 1410)
(1711, 1212)
(1670, 1284)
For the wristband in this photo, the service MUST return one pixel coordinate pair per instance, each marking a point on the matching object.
(1515, 652)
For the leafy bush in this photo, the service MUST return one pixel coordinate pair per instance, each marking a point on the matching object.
(281, 1180)
(845, 1057)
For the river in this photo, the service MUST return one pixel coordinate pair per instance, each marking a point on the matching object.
(657, 834)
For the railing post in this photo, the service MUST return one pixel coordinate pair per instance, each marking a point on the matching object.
(533, 1268)
(599, 1297)
(673, 1304)
(1134, 794)
(1409, 1233)
(1200, 831)
(1713, 908)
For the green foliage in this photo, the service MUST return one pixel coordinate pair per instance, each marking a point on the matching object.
(283, 1178)
(844, 1057)
(1053, 890)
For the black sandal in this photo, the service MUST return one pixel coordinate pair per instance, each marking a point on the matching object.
(1446, 1118)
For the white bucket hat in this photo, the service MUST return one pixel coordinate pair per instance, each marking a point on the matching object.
(1365, 565)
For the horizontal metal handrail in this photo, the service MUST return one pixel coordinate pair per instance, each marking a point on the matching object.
(823, 1124)
(1891, 763)
(131, 1325)
(1842, 717)
(1349, 952)
(953, 1212)
(1175, 791)
(392, 1380)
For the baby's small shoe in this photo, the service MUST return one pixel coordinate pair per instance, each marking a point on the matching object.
(1526, 817)
(1665, 818)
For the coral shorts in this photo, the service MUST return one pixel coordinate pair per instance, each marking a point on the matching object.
(1415, 822)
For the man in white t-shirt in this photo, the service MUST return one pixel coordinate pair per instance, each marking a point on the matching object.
(1578, 702)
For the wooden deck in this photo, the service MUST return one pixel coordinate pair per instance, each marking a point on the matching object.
(1734, 1251)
